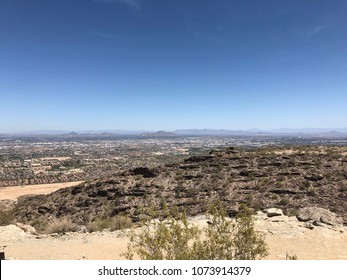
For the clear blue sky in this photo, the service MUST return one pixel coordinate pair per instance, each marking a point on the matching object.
(170, 64)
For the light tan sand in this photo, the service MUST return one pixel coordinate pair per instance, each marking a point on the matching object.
(288, 236)
(14, 192)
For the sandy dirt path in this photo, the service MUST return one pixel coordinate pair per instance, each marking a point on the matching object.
(14, 192)
(288, 236)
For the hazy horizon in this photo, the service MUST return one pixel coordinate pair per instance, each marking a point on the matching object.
(138, 131)
(166, 65)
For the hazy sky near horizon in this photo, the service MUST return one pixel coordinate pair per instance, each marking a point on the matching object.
(161, 64)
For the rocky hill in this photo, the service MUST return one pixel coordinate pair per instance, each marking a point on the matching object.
(288, 178)
(159, 133)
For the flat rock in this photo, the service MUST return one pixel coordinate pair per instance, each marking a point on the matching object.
(279, 219)
(272, 212)
(318, 215)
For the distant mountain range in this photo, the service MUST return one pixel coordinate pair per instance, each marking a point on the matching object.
(281, 131)
(327, 132)
(159, 133)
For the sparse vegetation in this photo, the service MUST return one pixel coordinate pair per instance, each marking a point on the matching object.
(112, 223)
(291, 257)
(6, 217)
(284, 201)
(191, 182)
(177, 239)
(61, 225)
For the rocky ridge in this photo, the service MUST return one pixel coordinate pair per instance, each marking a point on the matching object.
(289, 178)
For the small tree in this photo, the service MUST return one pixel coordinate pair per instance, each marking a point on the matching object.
(249, 244)
(177, 239)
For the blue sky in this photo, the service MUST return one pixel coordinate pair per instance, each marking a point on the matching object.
(160, 64)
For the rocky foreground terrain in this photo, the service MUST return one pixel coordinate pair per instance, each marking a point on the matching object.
(289, 178)
(285, 236)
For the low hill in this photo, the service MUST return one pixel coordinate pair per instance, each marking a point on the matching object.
(159, 133)
(286, 178)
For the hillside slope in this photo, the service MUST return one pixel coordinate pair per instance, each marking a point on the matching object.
(286, 178)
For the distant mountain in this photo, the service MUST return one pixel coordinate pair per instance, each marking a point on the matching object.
(255, 132)
(159, 133)
(73, 133)
(188, 132)
(308, 130)
(114, 132)
(211, 132)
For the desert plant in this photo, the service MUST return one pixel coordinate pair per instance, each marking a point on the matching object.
(284, 201)
(249, 244)
(61, 225)
(112, 223)
(177, 239)
(6, 217)
(291, 257)
(311, 191)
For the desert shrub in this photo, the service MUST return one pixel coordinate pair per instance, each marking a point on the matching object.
(292, 212)
(311, 191)
(284, 201)
(291, 257)
(6, 217)
(307, 184)
(60, 225)
(281, 178)
(177, 239)
(121, 222)
(249, 244)
(39, 224)
(112, 223)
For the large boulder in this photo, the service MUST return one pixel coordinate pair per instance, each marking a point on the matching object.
(318, 215)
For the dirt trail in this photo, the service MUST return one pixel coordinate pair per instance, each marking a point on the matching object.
(285, 236)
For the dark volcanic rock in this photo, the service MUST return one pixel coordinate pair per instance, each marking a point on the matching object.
(314, 177)
(198, 158)
(280, 191)
(144, 171)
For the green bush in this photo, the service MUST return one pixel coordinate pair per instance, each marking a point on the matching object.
(177, 239)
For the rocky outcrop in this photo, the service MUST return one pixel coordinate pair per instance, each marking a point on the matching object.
(145, 172)
(317, 216)
(26, 228)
